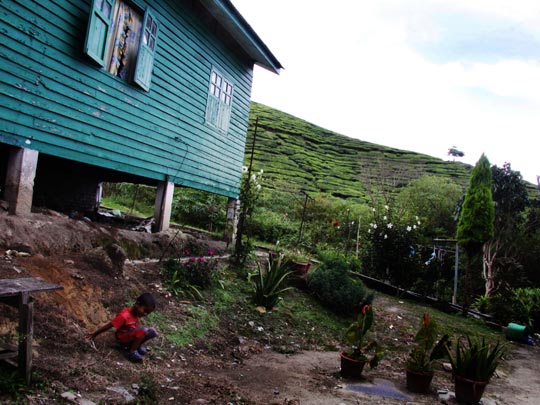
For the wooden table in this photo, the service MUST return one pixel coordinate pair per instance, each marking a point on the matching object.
(16, 293)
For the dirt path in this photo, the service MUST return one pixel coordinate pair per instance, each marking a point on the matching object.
(312, 378)
(519, 381)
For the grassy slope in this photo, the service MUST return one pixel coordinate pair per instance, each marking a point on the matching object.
(298, 155)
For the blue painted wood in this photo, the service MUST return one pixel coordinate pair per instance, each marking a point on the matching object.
(56, 99)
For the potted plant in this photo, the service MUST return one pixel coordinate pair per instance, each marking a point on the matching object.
(419, 365)
(362, 351)
(299, 262)
(473, 364)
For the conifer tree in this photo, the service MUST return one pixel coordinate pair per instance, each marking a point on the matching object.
(476, 220)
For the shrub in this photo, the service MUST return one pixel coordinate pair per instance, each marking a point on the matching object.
(333, 286)
(185, 276)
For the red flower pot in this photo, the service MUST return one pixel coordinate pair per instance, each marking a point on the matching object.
(351, 368)
(469, 391)
(419, 381)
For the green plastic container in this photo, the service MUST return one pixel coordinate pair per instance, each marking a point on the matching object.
(516, 332)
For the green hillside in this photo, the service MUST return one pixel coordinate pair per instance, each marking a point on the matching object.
(297, 155)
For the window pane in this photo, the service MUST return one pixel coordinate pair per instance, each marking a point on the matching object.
(218, 81)
(228, 100)
(214, 77)
(151, 43)
(107, 9)
(154, 29)
(99, 4)
(216, 91)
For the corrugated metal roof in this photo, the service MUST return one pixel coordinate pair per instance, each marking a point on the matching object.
(229, 17)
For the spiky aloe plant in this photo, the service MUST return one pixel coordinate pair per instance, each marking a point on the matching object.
(269, 282)
(476, 359)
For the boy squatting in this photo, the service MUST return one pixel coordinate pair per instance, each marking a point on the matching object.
(128, 330)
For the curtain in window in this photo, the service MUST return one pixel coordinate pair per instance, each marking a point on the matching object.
(126, 33)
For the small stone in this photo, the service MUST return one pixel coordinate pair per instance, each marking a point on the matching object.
(69, 396)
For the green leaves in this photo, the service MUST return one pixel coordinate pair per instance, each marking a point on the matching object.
(355, 335)
(269, 282)
(426, 351)
(476, 359)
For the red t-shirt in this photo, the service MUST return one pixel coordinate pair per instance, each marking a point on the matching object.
(125, 322)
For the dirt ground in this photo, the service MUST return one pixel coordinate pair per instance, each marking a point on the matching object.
(228, 369)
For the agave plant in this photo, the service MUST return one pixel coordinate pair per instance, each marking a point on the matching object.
(476, 359)
(269, 282)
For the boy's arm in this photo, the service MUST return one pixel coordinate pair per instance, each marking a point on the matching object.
(99, 331)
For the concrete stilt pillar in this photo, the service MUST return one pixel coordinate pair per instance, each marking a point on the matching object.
(163, 206)
(233, 205)
(21, 171)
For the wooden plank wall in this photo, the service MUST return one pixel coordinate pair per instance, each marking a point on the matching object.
(55, 100)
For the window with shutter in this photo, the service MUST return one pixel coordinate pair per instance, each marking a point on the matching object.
(121, 41)
(220, 94)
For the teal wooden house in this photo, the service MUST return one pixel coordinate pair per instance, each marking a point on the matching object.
(152, 92)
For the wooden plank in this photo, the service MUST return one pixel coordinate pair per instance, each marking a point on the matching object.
(15, 286)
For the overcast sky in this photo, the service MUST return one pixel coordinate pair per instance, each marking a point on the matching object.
(419, 75)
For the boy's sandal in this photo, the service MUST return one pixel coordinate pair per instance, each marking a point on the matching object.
(135, 357)
(142, 350)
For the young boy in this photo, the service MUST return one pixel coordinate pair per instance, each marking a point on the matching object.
(128, 331)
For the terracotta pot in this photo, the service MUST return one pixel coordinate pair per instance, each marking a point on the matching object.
(301, 268)
(469, 391)
(351, 368)
(418, 381)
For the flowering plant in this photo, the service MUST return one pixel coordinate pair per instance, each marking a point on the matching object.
(355, 335)
(427, 350)
(392, 237)
(185, 276)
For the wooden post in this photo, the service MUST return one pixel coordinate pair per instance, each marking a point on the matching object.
(26, 330)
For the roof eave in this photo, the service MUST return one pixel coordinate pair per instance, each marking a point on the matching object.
(239, 29)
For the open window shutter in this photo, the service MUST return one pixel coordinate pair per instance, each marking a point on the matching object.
(97, 33)
(145, 58)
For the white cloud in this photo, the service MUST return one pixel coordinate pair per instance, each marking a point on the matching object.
(408, 74)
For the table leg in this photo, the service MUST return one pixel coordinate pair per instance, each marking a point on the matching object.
(26, 331)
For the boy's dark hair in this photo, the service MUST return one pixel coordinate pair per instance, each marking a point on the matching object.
(146, 300)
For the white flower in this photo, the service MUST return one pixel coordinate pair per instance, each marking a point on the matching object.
(409, 228)
(373, 209)
(352, 222)
(369, 231)
(258, 187)
(374, 226)
(417, 218)
(253, 177)
(418, 222)
(385, 236)
(414, 226)
(386, 207)
(244, 169)
(389, 226)
(262, 171)
(385, 217)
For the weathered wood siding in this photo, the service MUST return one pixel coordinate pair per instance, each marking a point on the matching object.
(55, 100)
